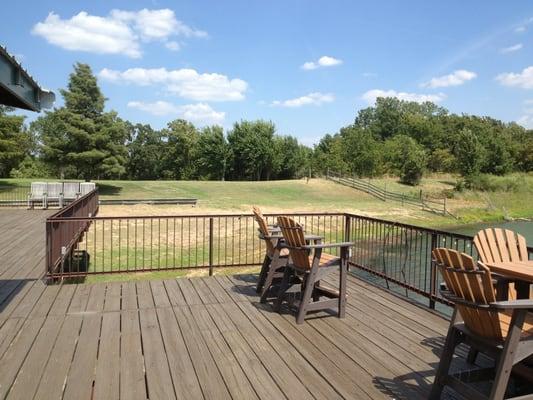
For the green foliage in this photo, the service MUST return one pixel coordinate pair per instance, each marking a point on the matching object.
(362, 151)
(469, 153)
(15, 142)
(144, 159)
(80, 136)
(213, 153)
(32, 167)
(251, 143)
(406, 157)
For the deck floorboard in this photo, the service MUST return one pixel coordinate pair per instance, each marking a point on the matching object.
(198, 338)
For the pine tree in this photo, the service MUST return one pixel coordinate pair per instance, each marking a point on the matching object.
(80, 139)
(14, 141)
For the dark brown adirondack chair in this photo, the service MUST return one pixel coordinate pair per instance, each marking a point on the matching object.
(501, 245)
(276, 257)
(312, 264)
(502, 330)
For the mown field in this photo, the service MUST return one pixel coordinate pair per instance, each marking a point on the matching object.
(182, 242)
(508, 197)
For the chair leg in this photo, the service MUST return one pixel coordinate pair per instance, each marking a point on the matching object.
(472, 355)
(505, 363)
(445, 360)
(275, 266)
(306, 297)
(283, 288)
(262, 274)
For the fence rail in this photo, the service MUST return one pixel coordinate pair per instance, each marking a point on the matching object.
(426, 203)
(394, 255)
(163, 243)
(14, 196)
(62, 239)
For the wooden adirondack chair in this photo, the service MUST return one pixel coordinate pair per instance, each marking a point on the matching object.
(501, 245)
(502, 330)
(276, 257)
(312, 264)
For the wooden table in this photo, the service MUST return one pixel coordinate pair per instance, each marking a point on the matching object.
(521, 273)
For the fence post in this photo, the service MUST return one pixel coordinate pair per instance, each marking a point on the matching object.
(211, 246)
(433, 272)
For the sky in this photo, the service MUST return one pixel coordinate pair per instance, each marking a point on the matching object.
(308, 66)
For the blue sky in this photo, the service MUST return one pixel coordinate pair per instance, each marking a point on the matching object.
(306, 65)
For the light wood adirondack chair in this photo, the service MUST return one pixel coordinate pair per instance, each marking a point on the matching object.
(312, 264)
(502, 330)
(276, 257)
(501, 245)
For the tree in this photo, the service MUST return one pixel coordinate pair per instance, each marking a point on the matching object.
(180, 151)
(80, 136)
(213, 153)
(361, 150)
(15, 142)
(144, 153)
(252, 149)
(406, 158)
(469, 153)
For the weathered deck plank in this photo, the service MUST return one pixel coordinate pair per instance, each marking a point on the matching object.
(198, 338)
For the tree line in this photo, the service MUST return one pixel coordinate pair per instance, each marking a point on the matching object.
(407, 139)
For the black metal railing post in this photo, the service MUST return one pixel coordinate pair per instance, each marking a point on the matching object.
(211, 246)
(433, 272)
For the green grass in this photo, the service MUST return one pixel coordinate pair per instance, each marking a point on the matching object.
(320, 195)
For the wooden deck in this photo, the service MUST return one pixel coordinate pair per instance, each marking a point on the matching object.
(199, 338)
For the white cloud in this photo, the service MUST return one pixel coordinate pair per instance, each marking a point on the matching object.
(172, 45)
(120, 32)
(186, 83)
(520, 29)
(370, 74)
(322, 62)
(526, 121)
(200, 113)
(522, 79)
(315, 98)
(456, 78)
(511, 49)
(371, 96)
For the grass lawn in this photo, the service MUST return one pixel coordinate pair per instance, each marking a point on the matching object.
(320, 195)
(316, 195)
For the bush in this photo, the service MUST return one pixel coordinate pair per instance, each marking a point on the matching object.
(490, 183)
(32, 168)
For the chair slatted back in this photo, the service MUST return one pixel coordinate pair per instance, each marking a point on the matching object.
(71, 189)
(54, 189)
(500, 245)
(471, 282)
(87, 187)
(263, 228)
(38, 189)
(293, 234)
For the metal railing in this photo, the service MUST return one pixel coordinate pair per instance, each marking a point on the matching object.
(63, 238)
(394, 255)
(111, 245)
(14, 195)
(425, 202)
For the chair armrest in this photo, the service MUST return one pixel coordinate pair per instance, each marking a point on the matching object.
(328, 245)
(519, 304)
